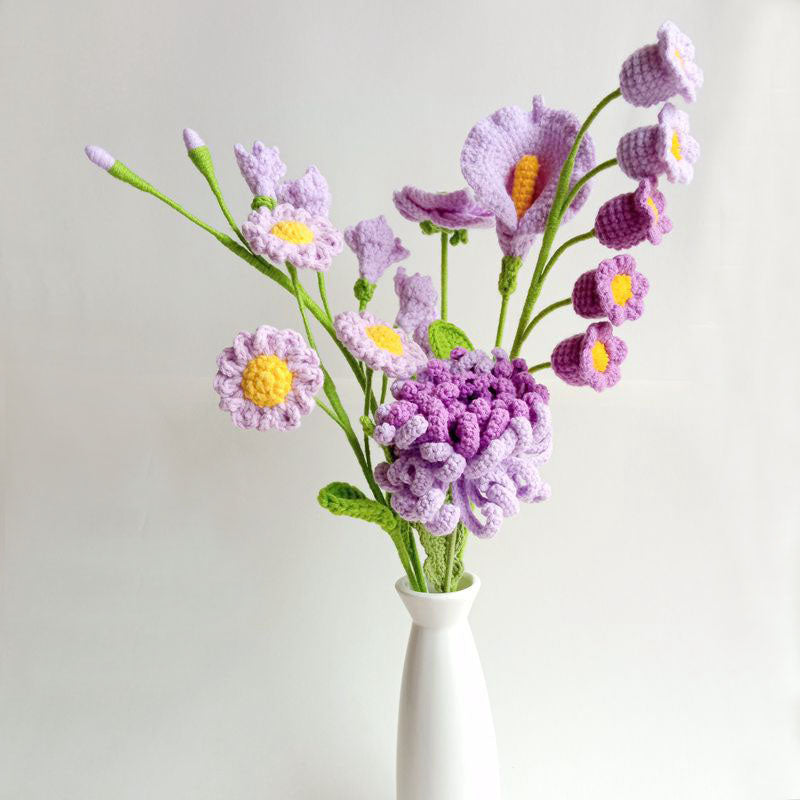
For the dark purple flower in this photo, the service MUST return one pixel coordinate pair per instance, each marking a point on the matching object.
(614, 290)
(628, 219)
(591, 358)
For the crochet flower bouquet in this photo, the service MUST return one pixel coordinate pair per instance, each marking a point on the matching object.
(451, 438)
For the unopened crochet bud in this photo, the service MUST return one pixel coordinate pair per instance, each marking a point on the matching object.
(192, 139)
(98, 156)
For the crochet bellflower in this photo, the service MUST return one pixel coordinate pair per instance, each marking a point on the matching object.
(268, 379)
(305, 240)
(418, 302)
(614, 289)
(591, 358)
(664, 148)
(656, 72)
(475, 426)
(450, 210)
(375, 246)
(379, 346)
(512, 161)
(628, 219)
(263, 170)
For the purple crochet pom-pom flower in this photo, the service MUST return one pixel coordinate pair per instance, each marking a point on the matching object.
(375, 246)
(628, 219)
(451, 210)
(664, 148)
(418, 302)
(512, 161)
(262, 168)
(268, 379)
(305, 240)
(656, 72)
(614, 290)
(475, 427)
(591, 358)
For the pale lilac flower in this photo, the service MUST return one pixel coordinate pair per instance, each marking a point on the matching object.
(512, 161)
(268, 379)
(379, 346)
(262, 168)
(375, 246)
(664, 148)
(310, 192)
(451, 210)
(305, 240)
(418, 303)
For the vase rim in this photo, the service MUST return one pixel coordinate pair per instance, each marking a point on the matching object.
(469, 583)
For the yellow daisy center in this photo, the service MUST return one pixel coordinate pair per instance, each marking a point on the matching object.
(621, 289)
(386, 339)
(679, 56)
(524, 184)
(599, 356)
(676, 146)
(652, 204)
(291, 230)
(266, 381)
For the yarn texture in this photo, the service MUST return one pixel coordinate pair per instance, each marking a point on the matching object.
(418, 301)
(375, 246)
(447, 210)
(628, 219)
(614, 289)
(590, 359)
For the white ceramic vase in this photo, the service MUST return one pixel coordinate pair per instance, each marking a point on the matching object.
(446, 747)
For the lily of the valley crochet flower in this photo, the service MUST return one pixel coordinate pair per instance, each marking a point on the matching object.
(452, 437)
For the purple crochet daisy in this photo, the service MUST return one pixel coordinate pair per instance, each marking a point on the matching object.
(262, 168)
(418, 305)
(474, 426)
(628, 219)
(664, 148)
(376, 344)
(268, 379)
(376, 247)
(450, 210)
(591, 358)
(513, 159)
(305, 240)
(310, 192)
(656, 72)
(614, 290)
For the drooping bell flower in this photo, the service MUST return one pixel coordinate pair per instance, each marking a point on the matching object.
(591, 358)
(614, 289)
(628, 219)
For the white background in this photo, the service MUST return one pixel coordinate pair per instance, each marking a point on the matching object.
(179, 619)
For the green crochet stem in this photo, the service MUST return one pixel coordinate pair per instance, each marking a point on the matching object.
(323, 295)
(537, 367)
(553, 221)
(201, 158)
(384, 387)
(612, 162)
(367, 395)
(544, 312)
(501, 322)
(123, 173)
(330, 392)
(444, 276)
(451, 557)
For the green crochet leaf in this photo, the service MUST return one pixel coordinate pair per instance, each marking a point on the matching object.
(436, 562)
(346, 500)
(444, 336)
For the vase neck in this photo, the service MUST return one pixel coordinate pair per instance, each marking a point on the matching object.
(430, 610)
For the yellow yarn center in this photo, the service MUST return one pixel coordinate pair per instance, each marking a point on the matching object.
(652, 204)
(292, 231)
(599, 356)
(621, 289)
(266, 381)
(524, 184)
(676, 146)
(386, 339)
(679, 56)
